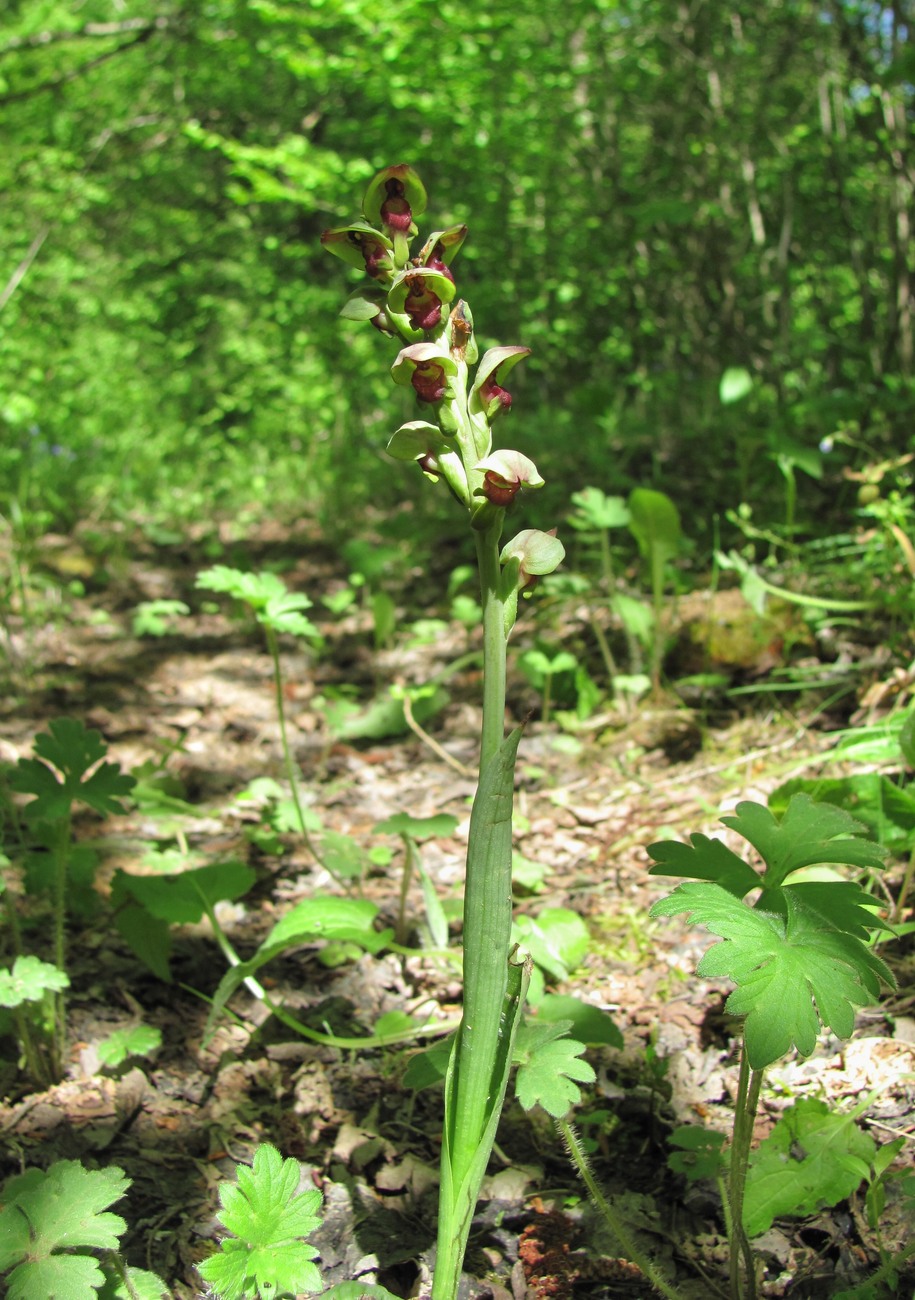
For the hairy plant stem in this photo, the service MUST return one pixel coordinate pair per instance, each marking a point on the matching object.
(61, 856)
(749, 1083)
(609, 1215)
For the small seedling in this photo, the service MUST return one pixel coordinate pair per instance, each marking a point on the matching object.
(157, 617)
(69, 768)
(411, 831)
(138, 1040)
(280, 613)
(799, 956)
(269, 1218)
(655, 524)
(540, 668)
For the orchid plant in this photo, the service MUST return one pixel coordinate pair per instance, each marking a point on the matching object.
(461, 395)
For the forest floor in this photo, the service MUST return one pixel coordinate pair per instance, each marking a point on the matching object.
(199, 700)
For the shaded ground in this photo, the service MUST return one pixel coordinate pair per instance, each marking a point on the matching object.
(200, 702)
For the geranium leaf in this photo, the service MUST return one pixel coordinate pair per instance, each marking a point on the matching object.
(808, 833)
(268, 1217)
(792, 975)
(62, 773)
(814, 1156)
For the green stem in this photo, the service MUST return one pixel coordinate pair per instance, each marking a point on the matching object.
(477, 1086)
(61, 854)
(409, 865)
(273, 647)
(494, 643)
(749, 1084)
(609, 1215)
(605, 651)
(547, 697)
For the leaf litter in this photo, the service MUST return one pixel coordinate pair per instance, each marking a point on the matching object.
(196, 704)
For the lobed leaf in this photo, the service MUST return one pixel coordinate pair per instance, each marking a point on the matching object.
(790, 972)
(808, 833)
(814, 1156)
(703, 859)
(61, 1209)
(268, 1217)
(700, 1153)
(62, 773)
(550, 1068)
(29, 980)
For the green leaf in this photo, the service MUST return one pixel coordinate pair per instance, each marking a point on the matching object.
(808, 833)
(29, 980)
(885, 808)
(813, 1157)
(148, 937)
(61, 1209)
(703, 859)
(549, 1066)
(69, 1277)
(283, 615)
(557, 939)
(143, 1286)
(429, 1067)
(700, 1153)
(268, 1217)
(266, 594)
(436, 919)
(655, 524)
(182, 899)
(343, 856)
(384, 717)
(418, 828)
(587, 1023)
(327, 918)
(596, 511)
(840, 904)
(62, 773)
(139, 1040)
(151, 617)
(791, 974)
(736, 383)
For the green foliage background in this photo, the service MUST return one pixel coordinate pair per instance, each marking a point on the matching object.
(656, 190)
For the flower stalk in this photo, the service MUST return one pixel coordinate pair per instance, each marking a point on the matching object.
(416, 300)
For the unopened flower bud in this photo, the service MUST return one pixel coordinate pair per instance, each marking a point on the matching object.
(535, 554)
(463, 343)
